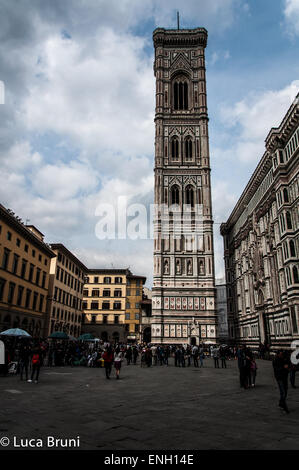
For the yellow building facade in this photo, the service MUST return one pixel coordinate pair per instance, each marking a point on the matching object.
(134, 294)
(67, 275)
(110, 299)
(24, 275)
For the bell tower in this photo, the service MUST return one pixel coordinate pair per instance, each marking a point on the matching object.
(184, 309)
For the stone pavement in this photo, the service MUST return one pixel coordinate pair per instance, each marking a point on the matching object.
(151, 408)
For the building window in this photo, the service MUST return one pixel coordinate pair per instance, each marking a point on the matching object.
(2, 285)
(94, 305)
(175, 195)
(295, 275)
(95, 293)
(106, 293)
(127, 316)
(37, 277)
(117, 293)
(188, 148)
(136, 316)
(105, 305)
(8, 236)
(84, 305)
(128, 305)
(294, 319)
(26, 248)
(5, 258)
(116, 306)
(18, 242)
(289, 220)
(93, 319)
(28, 296)
(41, 303)
(175, 148)
(15, 264)
(11, 291)
(107, 280)
(292, 248)
(31, 269)
(116, 319)
(285, 195)
(105, 319)
(96, 280)
(118, 280)
(35, 295)
(189, 195)
(44, 279)
(180, 94)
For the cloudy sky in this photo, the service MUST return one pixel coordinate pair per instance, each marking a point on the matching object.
(77, 129)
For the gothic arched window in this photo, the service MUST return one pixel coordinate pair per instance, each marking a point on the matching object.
(285, 195)
(295, 275)
(175, 195)
(189, 195)
(188, 148)
(292, 248)
(289, 220)
(175, 148)
(180, 94)
(199, 200)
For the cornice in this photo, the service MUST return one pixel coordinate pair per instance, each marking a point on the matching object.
(180, 37)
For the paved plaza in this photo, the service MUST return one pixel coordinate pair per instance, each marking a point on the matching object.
(151, 408)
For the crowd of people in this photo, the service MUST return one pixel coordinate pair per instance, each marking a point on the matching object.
(26, 356)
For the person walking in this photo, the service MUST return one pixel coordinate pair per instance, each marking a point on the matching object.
(223, 357)
(148, 357)
(108, 357)
(25, 353)
(36, 362)
(253, 370)
(135, 354)
(188, 354)
(281, 366)
(183, 352)
(128, 355)
(118, 357)
(201, 355)
(241, 354)
(215, 356)
(177, 357)
(293, 369)
(195, 355)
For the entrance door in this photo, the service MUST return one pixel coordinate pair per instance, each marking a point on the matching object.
(147, 335)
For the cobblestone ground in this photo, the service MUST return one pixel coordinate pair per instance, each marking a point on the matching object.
(151, 408)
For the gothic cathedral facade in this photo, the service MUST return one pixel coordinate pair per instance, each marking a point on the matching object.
(184, 299)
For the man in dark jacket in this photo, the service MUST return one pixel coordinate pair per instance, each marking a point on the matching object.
(281, 365)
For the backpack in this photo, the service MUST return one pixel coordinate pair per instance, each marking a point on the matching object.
(35, 359)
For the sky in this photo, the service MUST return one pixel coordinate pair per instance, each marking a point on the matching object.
(77, 123)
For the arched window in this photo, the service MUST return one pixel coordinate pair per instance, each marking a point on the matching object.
(295, 275)
(175, 148)
(285, 195)
(289, 220)
(292, 248)
(189, 195)
(175, 195)
(180, 94)
(199, 201)
(188, 148)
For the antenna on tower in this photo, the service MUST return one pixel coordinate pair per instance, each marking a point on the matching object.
(178, 19)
